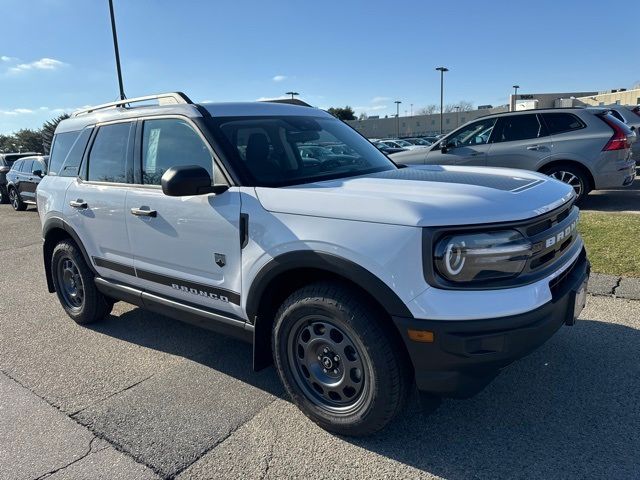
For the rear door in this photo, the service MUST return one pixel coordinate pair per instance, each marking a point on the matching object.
(184, 248)
(95, 200)
(468, 145)
(22, 182)
(520, 141)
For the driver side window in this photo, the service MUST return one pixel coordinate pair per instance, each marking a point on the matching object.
(476, 133)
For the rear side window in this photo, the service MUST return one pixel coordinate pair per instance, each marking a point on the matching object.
(108, 156)
(26, 166)
(62, 144)
(17, 166)
(562, 122)
(170, 143)
(520, 127)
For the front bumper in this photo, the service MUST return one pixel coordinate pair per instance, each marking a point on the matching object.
(466, 355)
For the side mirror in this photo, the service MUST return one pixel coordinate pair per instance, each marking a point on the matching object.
(38, 173)
(189, 180)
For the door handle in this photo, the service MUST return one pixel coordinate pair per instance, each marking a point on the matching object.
(536, 147)
(476, 154)
(144, 212)
(78, 204)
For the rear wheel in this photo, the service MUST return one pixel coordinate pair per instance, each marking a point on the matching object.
(571, 175)
(75, 287)
(16, 202)
(4, 195)
(337, 360)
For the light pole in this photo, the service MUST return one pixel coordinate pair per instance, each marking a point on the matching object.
(457, 107)
(292, 94)
(397, 102)
(441, 70)
(515, 95)
(412, 109)
(117, 51)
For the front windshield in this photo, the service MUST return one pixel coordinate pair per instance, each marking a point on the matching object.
(288, 150)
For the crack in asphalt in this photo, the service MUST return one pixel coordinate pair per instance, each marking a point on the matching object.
(97, 402)
(80, 458)
(97, 434)
(615, 287)
(270, 454)
(218, 443)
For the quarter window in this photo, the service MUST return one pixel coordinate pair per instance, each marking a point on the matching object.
(62, 144)
(108, 157)
(71, 164)
(170, 143)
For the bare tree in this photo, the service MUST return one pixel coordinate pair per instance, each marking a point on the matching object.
(428, 110)
(363, 116)
(465, 106)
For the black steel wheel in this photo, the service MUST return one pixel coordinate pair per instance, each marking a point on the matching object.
(340, 359)
(327, 364)
(74, 283)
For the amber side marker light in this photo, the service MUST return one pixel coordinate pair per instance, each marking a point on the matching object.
(425, 336)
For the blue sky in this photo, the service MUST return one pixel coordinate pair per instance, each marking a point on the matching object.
(57, 55)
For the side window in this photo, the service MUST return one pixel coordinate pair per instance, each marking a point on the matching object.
(71, 164)
(562, 122)
(170, 143)
(38, 165)
(108, 156)
(62, 143)
(520, 127)
(26, 166)
(17, 166)
(476, 133)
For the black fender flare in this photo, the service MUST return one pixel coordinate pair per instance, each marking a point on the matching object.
(57, 223)
(329, 263)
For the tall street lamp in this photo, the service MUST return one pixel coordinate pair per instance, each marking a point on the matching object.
(515, 95)
(397, 102)
(457, 107)
(292, 94)
(442, 70)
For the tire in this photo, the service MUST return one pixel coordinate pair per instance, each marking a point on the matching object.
(4, 197)
(572, 175)
(326, 334)
(75, 287)
(16, 202)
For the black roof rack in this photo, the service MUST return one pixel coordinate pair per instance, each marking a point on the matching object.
(290, 101)
(171, 98)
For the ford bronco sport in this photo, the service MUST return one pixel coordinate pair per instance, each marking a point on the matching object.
(357, 278)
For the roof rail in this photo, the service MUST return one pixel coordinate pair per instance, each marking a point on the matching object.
(171, 98)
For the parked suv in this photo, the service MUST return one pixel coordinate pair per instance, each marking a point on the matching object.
(358, 278)
(6, 162)
(23, 179)
(586, 148)
(629, 114)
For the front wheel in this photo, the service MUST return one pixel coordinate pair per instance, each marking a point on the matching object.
(16, 202)
(338, 360)
(75, 286)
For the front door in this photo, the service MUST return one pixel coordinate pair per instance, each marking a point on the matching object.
(184, 248)
(468, 145)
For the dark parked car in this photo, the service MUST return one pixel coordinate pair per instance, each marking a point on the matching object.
(23, 179)
(6, 162)
(387, 150)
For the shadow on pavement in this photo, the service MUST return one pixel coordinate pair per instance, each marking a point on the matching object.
(224, 354)
(570, 409)
(618, 200)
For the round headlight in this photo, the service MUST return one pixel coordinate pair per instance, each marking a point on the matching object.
(478, 257)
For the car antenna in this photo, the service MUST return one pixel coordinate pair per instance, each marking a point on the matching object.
(117, 51)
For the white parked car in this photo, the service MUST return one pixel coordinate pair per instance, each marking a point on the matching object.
(359, 279)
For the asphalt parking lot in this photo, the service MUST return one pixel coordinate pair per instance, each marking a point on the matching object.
(142, 396)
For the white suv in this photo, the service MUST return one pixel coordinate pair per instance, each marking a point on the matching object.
(359, 279)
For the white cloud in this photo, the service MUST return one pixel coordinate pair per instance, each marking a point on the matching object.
(279, 78)
(4, 58)
(42, 64)
(16, 111)
(380, 99)
(370, 108)
(264, 99)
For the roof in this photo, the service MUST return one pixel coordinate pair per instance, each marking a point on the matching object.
(180, 104)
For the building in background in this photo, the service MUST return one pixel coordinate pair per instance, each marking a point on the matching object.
(620, 96)
(417, 125)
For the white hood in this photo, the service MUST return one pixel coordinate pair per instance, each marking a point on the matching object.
(428, 195)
